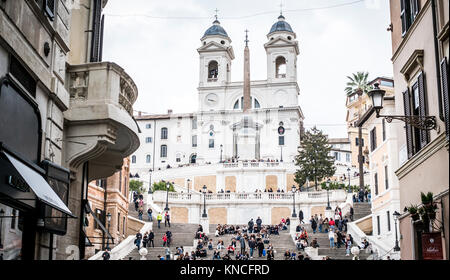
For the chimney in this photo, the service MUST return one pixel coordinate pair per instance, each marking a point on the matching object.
(247, 98)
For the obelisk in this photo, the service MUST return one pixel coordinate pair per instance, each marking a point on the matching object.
(247, 98)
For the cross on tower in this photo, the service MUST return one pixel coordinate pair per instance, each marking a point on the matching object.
(246, 38)
(216, 10)
(281, 7)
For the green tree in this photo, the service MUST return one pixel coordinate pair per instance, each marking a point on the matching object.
(137, 186)
(313, 159)
(358, 82)
(161, 186)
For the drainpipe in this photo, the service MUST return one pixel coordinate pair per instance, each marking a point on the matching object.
(436, 58)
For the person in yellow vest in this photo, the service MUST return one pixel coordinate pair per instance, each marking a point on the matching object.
(159, 219)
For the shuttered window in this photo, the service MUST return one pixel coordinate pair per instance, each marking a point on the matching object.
(424, 137)
(386, 177)
(376, 183)
(444, 80)
(378, 225)
(373, 139)
(97, 32)
(409, 132)
(408, 13)
(163, 151)
(388, 216)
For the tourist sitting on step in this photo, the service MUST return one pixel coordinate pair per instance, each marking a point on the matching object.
(231, 249)
(216, 255)
(210, 244)
(314, 243)
(220, 245)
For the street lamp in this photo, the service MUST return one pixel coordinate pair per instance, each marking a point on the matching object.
(349, 186)
(108, 217)
(396, 216)
(221, 150)
(328, 196)
(167, 196)
(188, 181)
(2, 212)
(150, 181)
(294, 215)
(204, 215)
(420, 122)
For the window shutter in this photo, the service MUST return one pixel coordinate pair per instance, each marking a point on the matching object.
(96, 31)
(404, 16)
(409, 131)
(444, 78)
(376, 183)
(49, 7)
(424, 134)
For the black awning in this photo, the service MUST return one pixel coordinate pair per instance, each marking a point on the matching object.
(38, 185)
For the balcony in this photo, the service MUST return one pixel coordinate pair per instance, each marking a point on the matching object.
(101, 128)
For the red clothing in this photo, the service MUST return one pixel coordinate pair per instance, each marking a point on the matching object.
(331, 223)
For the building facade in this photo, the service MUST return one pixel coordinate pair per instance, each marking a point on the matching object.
(420, 47)
(109, 197)
(52, 142)
(249, 121)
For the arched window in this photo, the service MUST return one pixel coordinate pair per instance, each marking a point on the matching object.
(163, 151)
(213, 71)
(236, 105)
(193, 158)
(164, 133)
(133, 159)
(178, 157)
(256, 106)
(280, 66)
(147, 159)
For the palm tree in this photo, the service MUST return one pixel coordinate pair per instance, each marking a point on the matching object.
(357, 82)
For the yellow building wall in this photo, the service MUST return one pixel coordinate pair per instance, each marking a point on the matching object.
(209, 181)
(319, 210)
(217, 215)
(271, 182)
(280, 212)
(179, 215)
(290, 181)
(230, 183)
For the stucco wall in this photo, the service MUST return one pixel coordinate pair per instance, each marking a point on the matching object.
(209, 181)
(217, 215)
(134, 226)
(280, 212)
(317, 210)
(271, 182)
(179, 215)
(290, 181)
(230, 183)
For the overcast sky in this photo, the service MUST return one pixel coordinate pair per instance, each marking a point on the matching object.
(156, 43)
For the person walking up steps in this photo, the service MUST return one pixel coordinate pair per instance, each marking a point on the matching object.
(313, 224)
(149, 214)
(331, 238)
(250, 226)
(166, 219)
(151, 237)
(159, 219)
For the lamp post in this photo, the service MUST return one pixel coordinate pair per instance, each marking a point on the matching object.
(294, 215)
(396, 216)
(167, 197)
(188, 184)
(281, 153)
(108, 217)
(328, 196)
(204, 215)
(150, 181)
(420, 122)
(349, 186)
(221, 150)
(2, 212)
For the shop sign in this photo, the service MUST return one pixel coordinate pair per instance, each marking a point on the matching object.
(432, 246)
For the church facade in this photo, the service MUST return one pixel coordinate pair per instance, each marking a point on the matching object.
(251, 129)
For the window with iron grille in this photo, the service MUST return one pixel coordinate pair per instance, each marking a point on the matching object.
(164, 133)
(378, 225)
(163, 151)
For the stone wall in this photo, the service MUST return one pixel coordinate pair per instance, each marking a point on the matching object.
(317, 210)
(134, 226)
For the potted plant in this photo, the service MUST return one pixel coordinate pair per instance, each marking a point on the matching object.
(413, 211)
(427, 199)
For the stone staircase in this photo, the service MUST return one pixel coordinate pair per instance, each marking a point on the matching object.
(334, 254)
(280, 243)
(361, 209)
(182, 235)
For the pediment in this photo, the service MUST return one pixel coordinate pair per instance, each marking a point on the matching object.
(280, 41)
(212, 46)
